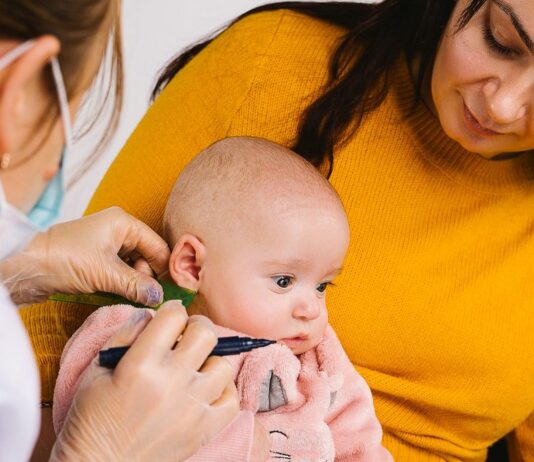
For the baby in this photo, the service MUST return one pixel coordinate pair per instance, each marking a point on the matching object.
(259, 234)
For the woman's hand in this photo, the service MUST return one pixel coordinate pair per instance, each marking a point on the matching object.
(261, 446)
(160, 403)
(86, 256)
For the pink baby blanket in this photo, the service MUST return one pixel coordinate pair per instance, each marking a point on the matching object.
(315, 406)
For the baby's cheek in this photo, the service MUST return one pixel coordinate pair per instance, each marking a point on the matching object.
(250, 322)
(266, 327)
(320, 327)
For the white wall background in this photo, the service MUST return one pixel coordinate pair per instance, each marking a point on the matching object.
(153, 32)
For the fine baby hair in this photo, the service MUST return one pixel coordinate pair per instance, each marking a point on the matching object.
(226, 183)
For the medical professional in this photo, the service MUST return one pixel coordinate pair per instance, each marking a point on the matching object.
(50, 54)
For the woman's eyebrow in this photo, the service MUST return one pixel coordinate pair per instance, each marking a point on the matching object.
(516, 23)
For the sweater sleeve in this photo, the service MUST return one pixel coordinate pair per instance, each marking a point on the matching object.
(521, 442)
(355, 429)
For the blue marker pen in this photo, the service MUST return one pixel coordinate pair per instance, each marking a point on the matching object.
(226, 346)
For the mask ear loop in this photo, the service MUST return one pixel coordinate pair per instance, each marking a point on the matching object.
(15, 53)
(6, 60)
(63, 102)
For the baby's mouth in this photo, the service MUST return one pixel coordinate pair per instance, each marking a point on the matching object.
(294, 341)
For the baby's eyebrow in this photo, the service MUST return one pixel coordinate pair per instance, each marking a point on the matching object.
(336, 272)
(293, 262)
(300, 264)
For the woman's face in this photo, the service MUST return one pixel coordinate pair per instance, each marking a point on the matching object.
(34, 143)
(483, 78)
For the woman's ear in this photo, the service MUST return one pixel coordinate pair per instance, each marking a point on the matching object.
(22, 98)
(186, 262)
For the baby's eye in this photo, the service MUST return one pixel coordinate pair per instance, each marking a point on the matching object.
(322, 287)
(283, 281)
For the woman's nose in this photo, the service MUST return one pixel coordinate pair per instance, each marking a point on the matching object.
(508, 101)
(306, 310)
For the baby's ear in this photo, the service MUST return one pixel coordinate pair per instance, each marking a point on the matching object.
(186, 261)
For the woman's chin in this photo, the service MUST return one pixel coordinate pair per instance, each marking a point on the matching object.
(490, 147)
(487, 153)
(475, 145)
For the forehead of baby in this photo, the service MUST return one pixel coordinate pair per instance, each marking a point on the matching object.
(297, 239)
(248, 193)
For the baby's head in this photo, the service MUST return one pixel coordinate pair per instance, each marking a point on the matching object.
(260, 234)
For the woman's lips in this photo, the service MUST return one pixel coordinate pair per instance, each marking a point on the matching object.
(474, 125)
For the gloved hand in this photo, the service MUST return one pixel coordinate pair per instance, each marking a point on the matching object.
(159, 404)
(86, 256)
(261, 446)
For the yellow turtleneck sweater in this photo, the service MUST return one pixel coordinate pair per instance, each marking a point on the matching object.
(435, 303)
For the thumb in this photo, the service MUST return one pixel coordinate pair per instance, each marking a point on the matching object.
(134, 285)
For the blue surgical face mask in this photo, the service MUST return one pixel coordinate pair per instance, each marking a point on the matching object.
(17, 229)
(47, 209)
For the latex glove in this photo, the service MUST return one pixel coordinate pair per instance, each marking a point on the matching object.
(86, 256)
(159, 404)
(261, 444)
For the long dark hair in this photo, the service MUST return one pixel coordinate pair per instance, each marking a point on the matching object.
(359, 72)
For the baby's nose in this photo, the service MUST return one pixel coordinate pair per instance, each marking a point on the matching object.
(307, 310)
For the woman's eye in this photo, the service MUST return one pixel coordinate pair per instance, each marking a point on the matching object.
(494, 44)
(283, 281)
(322, 287)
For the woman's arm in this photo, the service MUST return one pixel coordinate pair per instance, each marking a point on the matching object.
(86, 256)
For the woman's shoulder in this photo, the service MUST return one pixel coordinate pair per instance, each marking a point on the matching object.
(261, 71)
(299, 38)
(286, 23)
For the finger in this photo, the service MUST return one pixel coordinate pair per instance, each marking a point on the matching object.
(132, 284)
(160, 335)
(128, 255)
(131, 329)
(142, 266)
(137, 262)
(141, 239)
(219, 414)
(197, 342)
(227, 405)
(216, 374)
(125, 336)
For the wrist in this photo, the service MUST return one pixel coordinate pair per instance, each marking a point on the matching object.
(24, 274)
(70, 451)
(71, 447)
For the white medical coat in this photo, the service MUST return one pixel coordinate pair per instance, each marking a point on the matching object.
(19, 386)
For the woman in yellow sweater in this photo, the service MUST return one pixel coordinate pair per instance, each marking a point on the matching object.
(422, 114)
